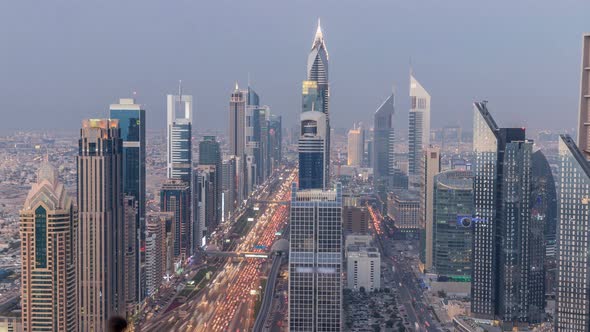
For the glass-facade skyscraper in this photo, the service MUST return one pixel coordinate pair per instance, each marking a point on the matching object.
(131, 118)
(210, 154)
(312, 151)
(315, 260)
(452, 238)
(317, 71)
(275, 133)
(503, 254)
(383, 146)
(573, 238)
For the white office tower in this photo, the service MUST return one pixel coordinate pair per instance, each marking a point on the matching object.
(179, 127)
(363, 268)
(355, 147)
(315, 260)
(419, 130)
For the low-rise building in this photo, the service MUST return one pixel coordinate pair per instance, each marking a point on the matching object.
(403, 206)
(363, 268)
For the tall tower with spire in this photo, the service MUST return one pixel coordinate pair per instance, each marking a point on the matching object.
(316, 96)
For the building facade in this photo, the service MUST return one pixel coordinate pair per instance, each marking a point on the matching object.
(430, 168)
(355, 220)
(210, 155)
(132, 123)
(419, 128)
(175, 197)
(403, 207)
(572, 312)
(48, 223)
(584, 114)
(452, 216)
(155, 249)
(317, 71)
(384, 147)
(130, 239)
(312, 151)
(355, 147)
(205, 203)
(363, 268)
(315, 260)
(502, 250)
(100, 236)
(237, 139)
(275, 133)
(229, 178)
(179, 130)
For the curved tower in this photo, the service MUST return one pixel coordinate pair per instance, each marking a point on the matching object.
(419, 127)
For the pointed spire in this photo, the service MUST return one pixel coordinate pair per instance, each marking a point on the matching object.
(319, 36)
(237, 87)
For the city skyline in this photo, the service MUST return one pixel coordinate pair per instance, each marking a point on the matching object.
(461, 226)
(454, 66)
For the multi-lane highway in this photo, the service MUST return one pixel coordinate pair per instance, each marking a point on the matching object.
(227, 302)
(400, 275)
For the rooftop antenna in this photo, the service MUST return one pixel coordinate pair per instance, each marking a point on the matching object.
(248, 79)
(411, 69)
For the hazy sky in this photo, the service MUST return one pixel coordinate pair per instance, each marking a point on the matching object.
(62, 61)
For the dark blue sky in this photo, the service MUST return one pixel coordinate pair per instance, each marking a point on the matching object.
(61, 61)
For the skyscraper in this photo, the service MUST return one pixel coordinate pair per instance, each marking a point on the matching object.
(175, 197)
(229, 180)
(131, 118)
(312, 97)
(419, 129)
(205, 203)
(131, 249)
(179, 154)
(584, 114)
(100, 235)
(275, 133)
(315, 260)
(355, 147)
(317, 71)
(502, 250)
(572, 312)
(48, 272)
(312, 151)
(383, 145)
(210, 154)
(544, 198)
(237, 121)
(317, 67)
(452, 211)
(430, 168)
(155, 249)
(237, 136)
